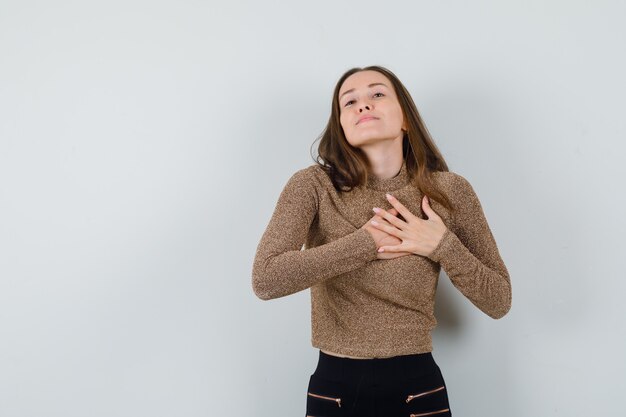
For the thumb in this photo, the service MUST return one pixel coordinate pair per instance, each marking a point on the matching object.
(428, 210)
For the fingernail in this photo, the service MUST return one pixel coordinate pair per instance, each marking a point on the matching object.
(376, 210)
(381, 250)
(389, 196)
(374, 222)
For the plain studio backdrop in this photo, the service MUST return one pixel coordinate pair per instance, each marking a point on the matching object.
(143, 146)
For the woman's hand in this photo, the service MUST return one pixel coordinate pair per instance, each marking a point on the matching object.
(383, 238)
(417, 236)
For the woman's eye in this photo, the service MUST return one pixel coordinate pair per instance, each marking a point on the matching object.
(350, 101)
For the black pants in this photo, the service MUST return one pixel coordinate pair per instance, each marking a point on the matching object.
(407, 386)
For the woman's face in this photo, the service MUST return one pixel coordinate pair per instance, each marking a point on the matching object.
(369, 109)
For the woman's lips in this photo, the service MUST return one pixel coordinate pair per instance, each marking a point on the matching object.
(366, 119)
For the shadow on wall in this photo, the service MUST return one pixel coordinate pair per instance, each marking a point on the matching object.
(450, 320)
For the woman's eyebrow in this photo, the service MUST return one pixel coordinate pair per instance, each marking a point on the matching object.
(352, 89)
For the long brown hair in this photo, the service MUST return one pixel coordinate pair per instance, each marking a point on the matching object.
(348, 166)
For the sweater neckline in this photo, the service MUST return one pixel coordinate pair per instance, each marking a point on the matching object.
(389, 184)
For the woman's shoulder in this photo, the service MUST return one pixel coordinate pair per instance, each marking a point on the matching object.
(456, 186)
(315, 169)
(450, 180)
(309, 177)
(316, 175)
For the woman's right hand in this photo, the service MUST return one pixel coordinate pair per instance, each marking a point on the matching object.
(383, 238)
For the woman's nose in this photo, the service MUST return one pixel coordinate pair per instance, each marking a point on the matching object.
(367, 106)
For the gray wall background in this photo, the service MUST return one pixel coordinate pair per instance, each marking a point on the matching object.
(143, 145)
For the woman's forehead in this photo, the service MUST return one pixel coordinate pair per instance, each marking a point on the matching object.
(363, 79)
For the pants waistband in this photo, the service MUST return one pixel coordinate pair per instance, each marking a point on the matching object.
(404, 366)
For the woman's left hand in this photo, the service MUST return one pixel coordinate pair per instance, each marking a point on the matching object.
(418, 236)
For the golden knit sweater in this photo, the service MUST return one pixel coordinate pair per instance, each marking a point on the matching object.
(360, 305)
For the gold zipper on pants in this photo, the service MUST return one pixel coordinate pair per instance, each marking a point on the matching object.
(411, 397)
(430, 413)
(337, 400)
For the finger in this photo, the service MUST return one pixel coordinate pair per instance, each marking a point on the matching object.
(395, 213)
(394, 231)
(400, 207)
(430, 213)
(392, 249)
(392, 211)
(400, 224)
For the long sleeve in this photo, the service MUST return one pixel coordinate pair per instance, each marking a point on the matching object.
(469, 255)
(280, 265)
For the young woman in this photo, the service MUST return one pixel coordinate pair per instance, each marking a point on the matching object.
(379, 217)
